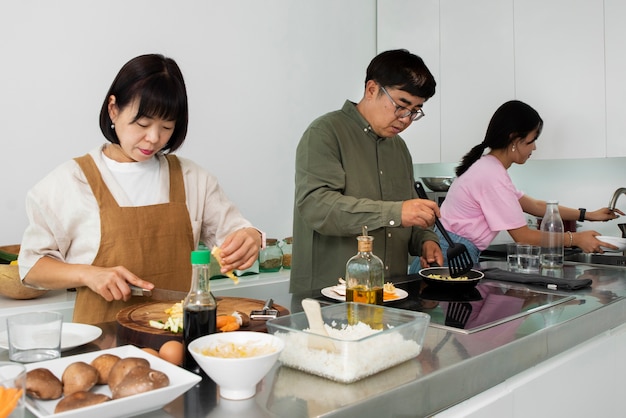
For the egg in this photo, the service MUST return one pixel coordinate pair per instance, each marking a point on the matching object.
(172, 351)
(151, 351)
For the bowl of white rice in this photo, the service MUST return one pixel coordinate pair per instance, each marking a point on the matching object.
(362, 340)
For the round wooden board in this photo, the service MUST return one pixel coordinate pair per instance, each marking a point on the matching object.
(133, 322)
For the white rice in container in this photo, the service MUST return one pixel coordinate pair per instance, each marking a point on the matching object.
(353, 359)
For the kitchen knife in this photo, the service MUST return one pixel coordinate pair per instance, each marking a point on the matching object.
(158, 294)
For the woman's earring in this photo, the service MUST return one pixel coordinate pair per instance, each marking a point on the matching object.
(513, 149)
(112, 126)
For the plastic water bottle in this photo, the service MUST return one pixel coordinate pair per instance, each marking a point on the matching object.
(552, 237)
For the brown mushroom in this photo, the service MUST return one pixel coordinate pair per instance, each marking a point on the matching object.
(103, 364)
(140, 379)
(78, 376)
(80, 400)
(41, 383)
(122, 367)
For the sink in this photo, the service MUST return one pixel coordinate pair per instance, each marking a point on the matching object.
(602, 259)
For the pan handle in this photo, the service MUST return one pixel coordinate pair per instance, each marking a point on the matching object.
(419, 188)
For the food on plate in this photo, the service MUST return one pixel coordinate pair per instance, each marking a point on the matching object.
(389, 291)
(125, 377)
(8, 400)
(217, 253)
(103, 364)
(79, 400)
(78, 377)
(174, 321)
(440, 277)
(173, 352)
(122, 367)
(139, 379)
(42, 384)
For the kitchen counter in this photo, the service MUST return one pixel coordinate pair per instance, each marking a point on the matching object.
(54, 300)
(453, 366)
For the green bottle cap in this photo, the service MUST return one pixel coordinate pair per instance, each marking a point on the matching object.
(200, 257)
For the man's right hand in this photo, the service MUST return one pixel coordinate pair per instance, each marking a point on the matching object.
(419, 212)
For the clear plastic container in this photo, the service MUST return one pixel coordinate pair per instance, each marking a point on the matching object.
(400, 339)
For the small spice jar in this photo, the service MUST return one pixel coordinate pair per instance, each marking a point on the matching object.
(271, 257)
(286, 247)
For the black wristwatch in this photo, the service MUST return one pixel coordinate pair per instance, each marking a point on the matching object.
(581, 218)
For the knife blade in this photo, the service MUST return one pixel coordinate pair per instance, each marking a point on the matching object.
(158, 294)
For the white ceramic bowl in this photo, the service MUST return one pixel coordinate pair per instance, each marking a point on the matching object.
(620, 243)
(237, 377)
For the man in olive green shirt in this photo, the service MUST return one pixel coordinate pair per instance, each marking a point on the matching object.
(353, 170)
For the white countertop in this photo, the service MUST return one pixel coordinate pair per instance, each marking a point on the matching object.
(55, 300)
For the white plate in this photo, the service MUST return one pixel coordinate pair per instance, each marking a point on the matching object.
(180, 382)
(330, 293)
(72, 335)
(618, 242)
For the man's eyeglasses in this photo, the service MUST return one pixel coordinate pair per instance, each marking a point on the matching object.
(403, 112)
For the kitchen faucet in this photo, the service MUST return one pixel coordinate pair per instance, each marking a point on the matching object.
(618, 192)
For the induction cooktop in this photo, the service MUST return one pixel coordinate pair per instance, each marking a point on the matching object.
(488, 305)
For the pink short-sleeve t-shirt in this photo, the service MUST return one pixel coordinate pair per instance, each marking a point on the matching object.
(482, 202)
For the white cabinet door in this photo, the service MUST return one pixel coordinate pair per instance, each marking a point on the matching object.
(477, 70)
(615, 45)
(559, 70)
(414, 25)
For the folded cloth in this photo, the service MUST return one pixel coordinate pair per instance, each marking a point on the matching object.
(553, 283)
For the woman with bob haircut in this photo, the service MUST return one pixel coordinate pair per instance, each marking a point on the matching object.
(482, 200)
(130, 212)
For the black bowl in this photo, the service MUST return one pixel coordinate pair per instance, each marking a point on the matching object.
(463, 283)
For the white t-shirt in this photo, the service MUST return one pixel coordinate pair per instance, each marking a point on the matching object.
(140, 180)
(482, 202)
(64, 219)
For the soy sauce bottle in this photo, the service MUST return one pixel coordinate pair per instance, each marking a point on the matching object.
(199, 307)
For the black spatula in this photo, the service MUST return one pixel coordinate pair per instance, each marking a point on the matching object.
(459, 259)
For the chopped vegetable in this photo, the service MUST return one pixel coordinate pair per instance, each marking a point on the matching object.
(174, 321)
(9, 398)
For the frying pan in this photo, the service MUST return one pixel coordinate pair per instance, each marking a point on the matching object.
(449, 283)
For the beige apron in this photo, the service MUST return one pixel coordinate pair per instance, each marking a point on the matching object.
(154, 242)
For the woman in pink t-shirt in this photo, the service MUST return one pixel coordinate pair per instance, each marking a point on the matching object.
(483, 200)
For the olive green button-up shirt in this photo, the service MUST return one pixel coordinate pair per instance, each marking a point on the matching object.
(348, 177)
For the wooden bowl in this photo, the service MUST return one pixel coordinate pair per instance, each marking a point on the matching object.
(11, 286)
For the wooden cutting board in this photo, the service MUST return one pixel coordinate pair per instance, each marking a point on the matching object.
(133, 322)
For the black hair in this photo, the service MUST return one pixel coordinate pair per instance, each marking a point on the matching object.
(402, 70)
(158, 84)
(511, 121)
